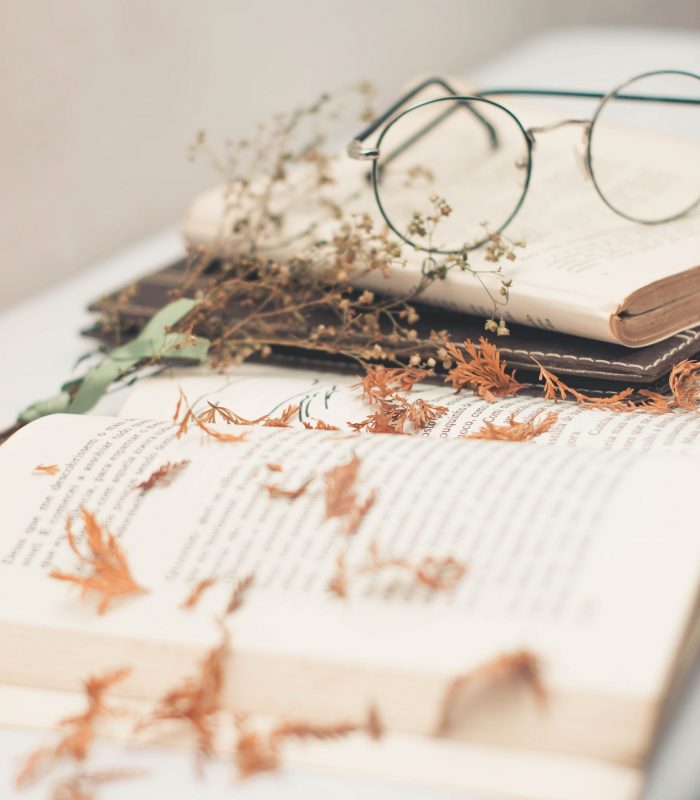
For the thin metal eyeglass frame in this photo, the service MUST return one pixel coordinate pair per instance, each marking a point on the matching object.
(390, 116)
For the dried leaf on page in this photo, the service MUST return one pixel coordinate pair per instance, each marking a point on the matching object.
(164, 475)
(83, 785)
(482, 370)
(197, 591)
(341, 495)
(76, 732)
(514, 431)
(107, 573)
(238, 595)
(275, 491)
(46, 469)
(556, 389)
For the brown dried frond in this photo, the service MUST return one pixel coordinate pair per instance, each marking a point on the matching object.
(283, 420)
(107, 573)
(555, 388)
(256, 751)
(320, 426)
(380, 382)
(684, 382)
(197, 591)
(46, 469)
(275, 467)
(77, 731)
(239, 592)
(226, 415)
(395, 412)
(164, 475)
(82, 785)
(520, 665)
(514, 431)
(484, 370)
(191, 417)
(197, 700)
(656, 403)
(275, 491)
(341, 495)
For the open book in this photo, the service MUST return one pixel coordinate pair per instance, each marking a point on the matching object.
(584, 270)
(586, 559)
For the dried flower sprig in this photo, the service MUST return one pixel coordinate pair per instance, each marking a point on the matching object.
(77, 732)
(433, 572)
(258, 751)
(163, 476)
(197, 700)
(483, 370)
(522, 665)
(341, 495)
(108, 573)
(514, 431)
(46, 469)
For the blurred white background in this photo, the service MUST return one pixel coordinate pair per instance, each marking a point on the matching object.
(100, 100)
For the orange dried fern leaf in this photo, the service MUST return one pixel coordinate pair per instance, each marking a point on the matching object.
(514, 431)
(684, 382)
(46, 469)
(482, 369)
(107, 572)
(164, 475)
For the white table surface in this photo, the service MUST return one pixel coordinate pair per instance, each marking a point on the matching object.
(41, 343)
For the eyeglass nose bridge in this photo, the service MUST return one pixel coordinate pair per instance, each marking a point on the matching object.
(580, 155)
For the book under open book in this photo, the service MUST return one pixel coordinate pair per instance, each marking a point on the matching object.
(584, 270)
(573, 550)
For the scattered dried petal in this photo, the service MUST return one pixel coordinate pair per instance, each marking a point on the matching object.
(109, 574)
(275, 491)
(274, 467)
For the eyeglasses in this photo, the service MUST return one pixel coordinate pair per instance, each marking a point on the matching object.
(641, 152)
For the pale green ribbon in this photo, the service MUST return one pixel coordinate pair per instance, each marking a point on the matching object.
(153, 343)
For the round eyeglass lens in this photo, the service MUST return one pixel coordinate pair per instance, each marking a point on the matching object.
(450, 172)
(644, 147)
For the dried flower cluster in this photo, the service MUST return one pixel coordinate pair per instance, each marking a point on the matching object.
(438, 573)
(514, 431)
(107, 572)
(522, 665)
(341, 495)
(77, 733)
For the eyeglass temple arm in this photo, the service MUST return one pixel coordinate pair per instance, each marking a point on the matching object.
(586, 95)
(356, 151)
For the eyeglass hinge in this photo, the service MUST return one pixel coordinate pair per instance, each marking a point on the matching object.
(360, 153)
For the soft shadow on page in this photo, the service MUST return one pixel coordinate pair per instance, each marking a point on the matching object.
(254, 390)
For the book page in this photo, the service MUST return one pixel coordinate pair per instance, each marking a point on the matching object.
(581, 260)
(560, 546)
(254, 390)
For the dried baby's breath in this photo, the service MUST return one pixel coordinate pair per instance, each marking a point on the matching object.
(107, 572)
(514, 431)
(77, 732)
(521, 665)
(483, 370)
(197, 591)
(164, 475)
(46, 469)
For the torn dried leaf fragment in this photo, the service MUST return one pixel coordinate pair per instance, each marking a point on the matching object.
(164, 475)
(106, 571)
(275, 491)
(197, 592)
(341, 495)
(46, 469)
